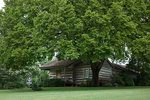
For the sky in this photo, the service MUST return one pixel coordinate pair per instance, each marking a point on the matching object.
(1, 4)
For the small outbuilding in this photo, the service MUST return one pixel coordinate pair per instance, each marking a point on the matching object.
(78, 73)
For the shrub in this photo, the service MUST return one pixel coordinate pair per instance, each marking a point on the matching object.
(107, 84)
(10, 79)
(123, 79)
(56, 82)
(39, 79)
(143, 79)
(36, 84)
(12, 85)
(1, 86)
(68, 83)
(86, 83)
(118, 81)
(129, 81)
(44, 79)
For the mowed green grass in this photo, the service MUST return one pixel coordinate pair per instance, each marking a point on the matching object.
(78, 93)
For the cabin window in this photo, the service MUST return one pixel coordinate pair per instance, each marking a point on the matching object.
(86, 73)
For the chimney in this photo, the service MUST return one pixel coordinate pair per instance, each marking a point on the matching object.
(54, 58)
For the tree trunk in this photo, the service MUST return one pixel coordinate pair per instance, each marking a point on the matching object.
(95, 78)
(95, 67)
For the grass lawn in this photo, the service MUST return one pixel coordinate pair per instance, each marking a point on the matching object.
(78, 93)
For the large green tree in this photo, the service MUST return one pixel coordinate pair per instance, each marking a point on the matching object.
(89, 30)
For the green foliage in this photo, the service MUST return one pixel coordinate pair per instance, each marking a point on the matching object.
(56, 83)
(11, 79)
(44, 77)
(142, 65)
(86, 83)
(36, 84)
(39, 79)
(123, 79)
(91, 30)
(143, 79)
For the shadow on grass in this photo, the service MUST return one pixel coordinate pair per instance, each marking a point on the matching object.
(60, 89)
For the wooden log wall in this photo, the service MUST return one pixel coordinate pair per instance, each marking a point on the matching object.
(79, 73)
(104, 74)
(65, 73)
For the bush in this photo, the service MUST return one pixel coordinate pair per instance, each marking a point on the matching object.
(129, 81)
(56, 82)
(68, 83)
(36, 87)
(1, 86)
(107, 84)
(123, 79)
(39, 79)
(44, 79)
(10, 79)
(118, 81)
(36, 84)
(12, 85)
(143, 79)
(86, 83)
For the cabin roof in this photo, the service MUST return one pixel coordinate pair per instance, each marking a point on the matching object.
(122, 67)
(56, 63)
(66, 63)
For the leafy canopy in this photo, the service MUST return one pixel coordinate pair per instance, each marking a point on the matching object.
(91, 30)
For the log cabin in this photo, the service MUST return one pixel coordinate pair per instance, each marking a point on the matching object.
(78, 73)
